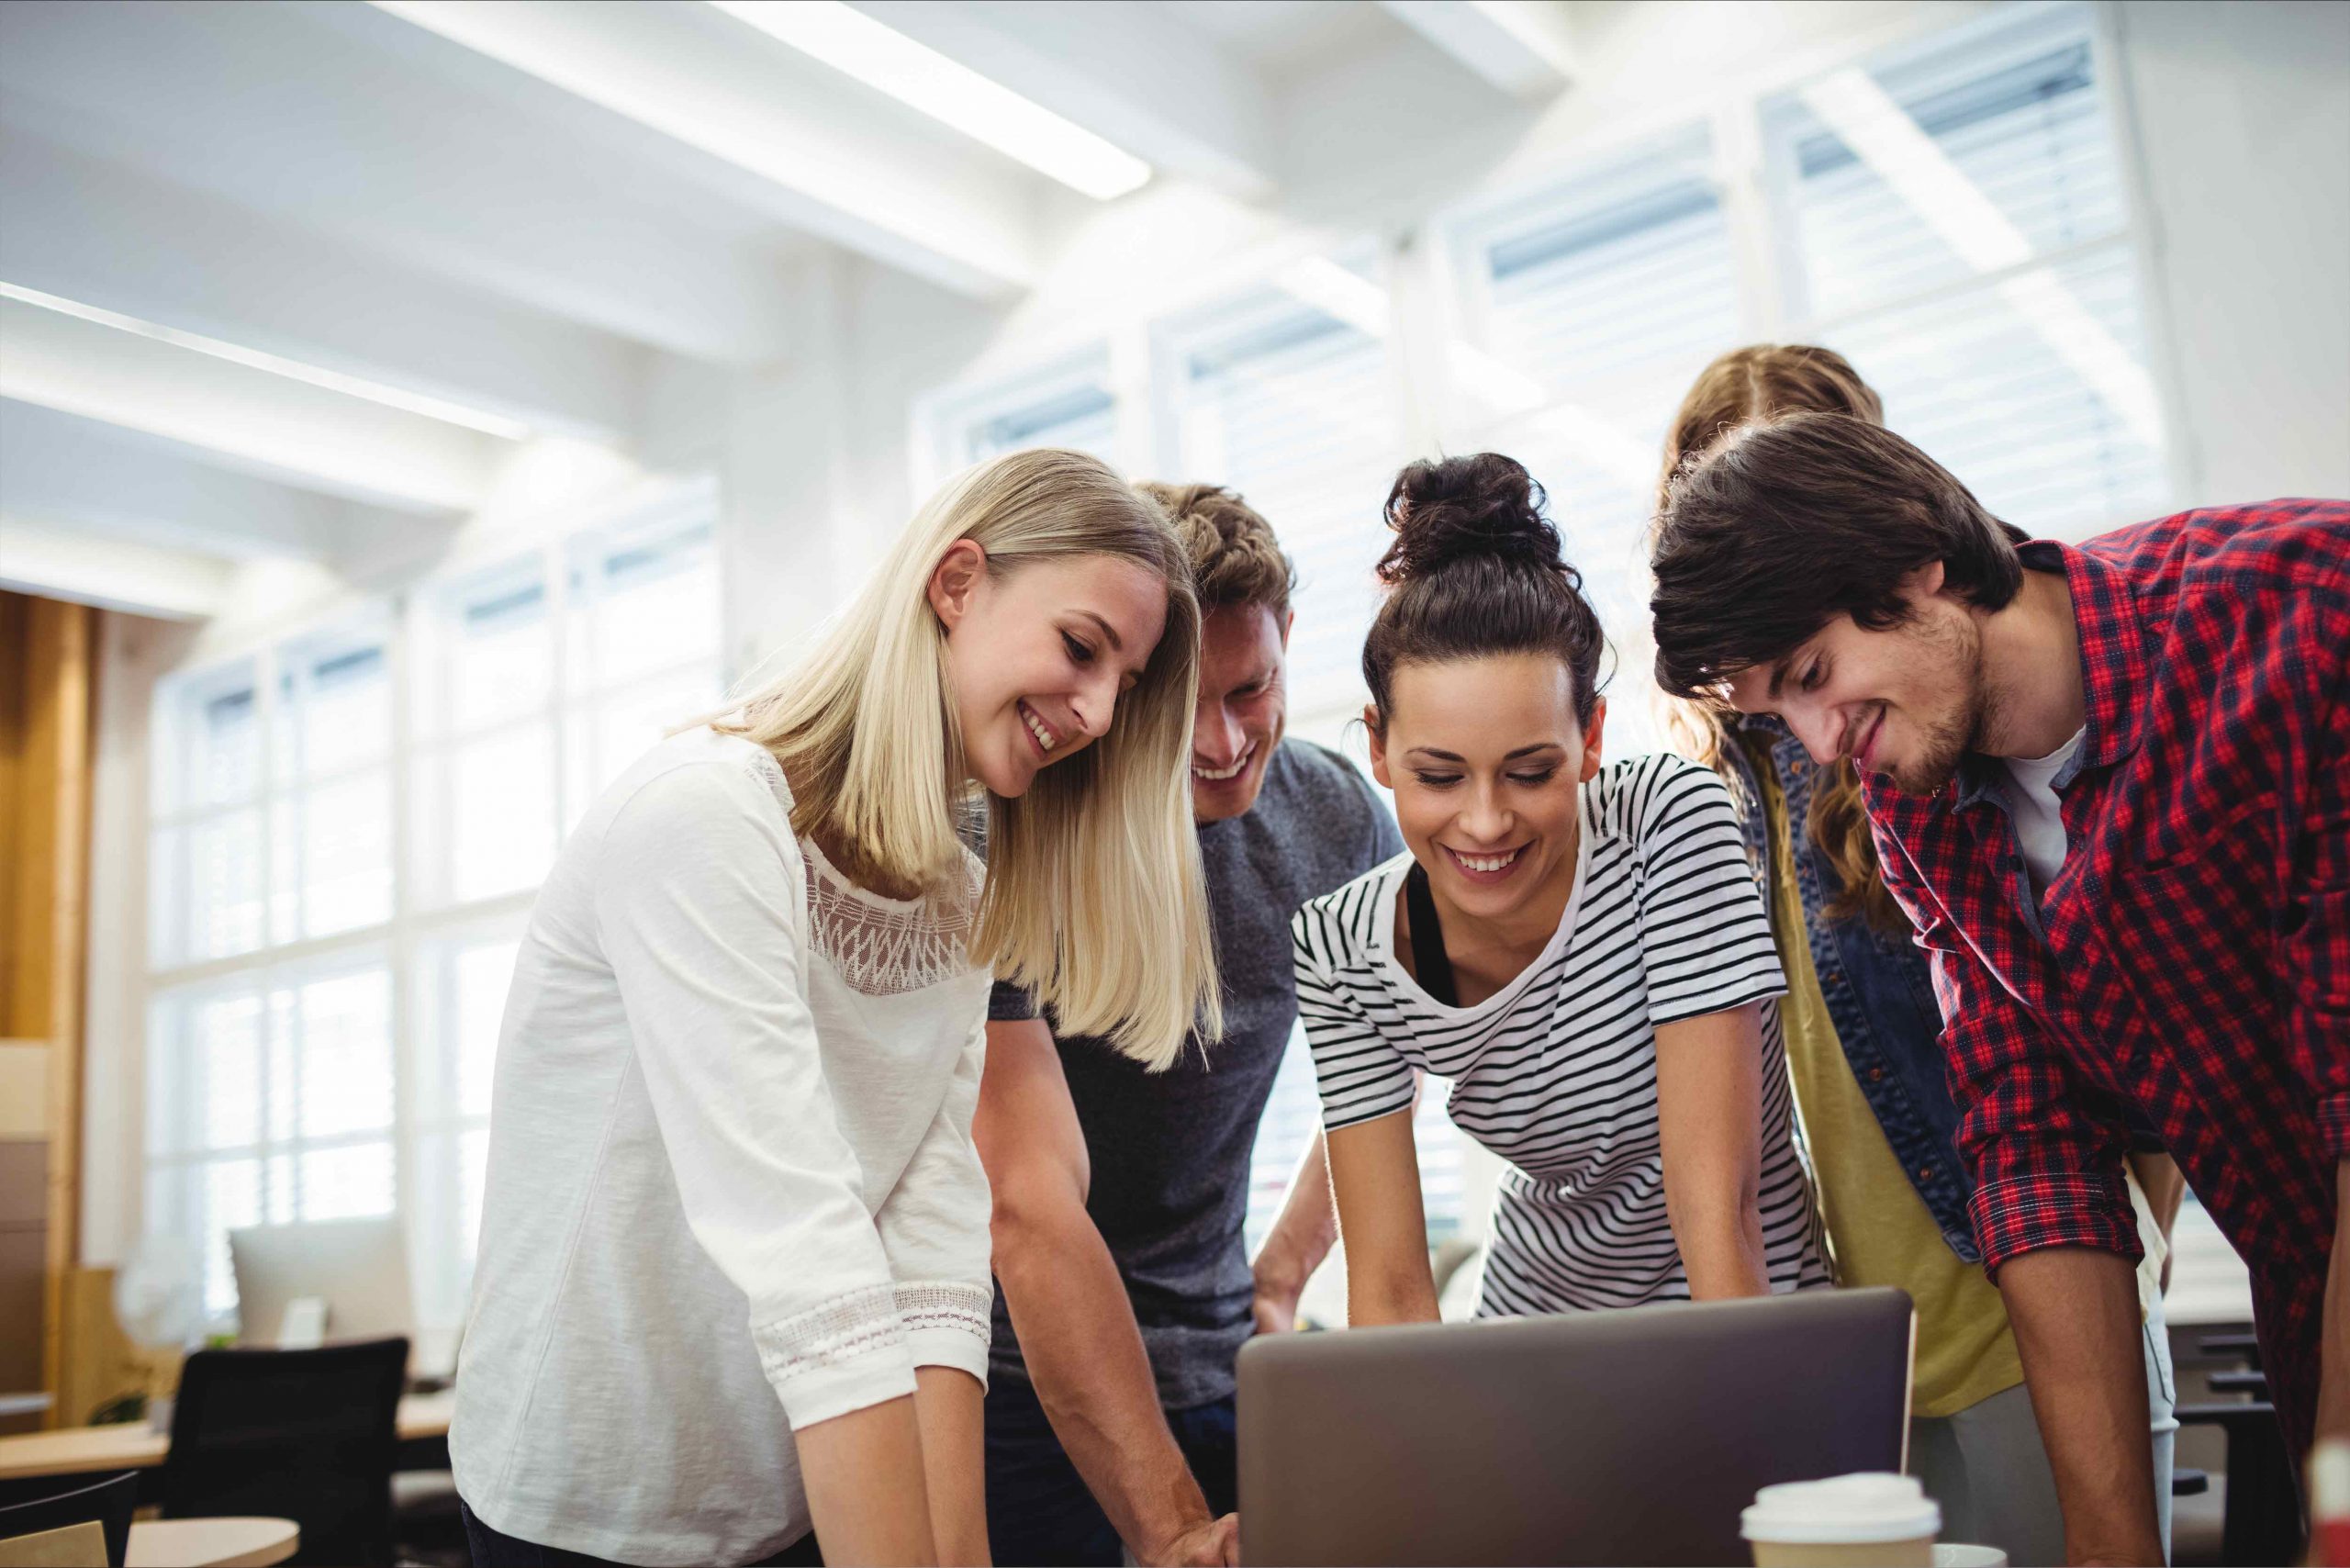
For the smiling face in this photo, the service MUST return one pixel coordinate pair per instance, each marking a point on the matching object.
(1243, 706)
(1484, 755)
(1040, 654)
(1905, 702)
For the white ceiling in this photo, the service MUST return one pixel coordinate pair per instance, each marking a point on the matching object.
(536, 210)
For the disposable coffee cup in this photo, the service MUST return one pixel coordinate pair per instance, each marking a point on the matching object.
(1867, 1520)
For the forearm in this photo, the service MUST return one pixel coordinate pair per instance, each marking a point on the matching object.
(866, 1494)
(1303, 1234)
(947, 1405)
(2166, 1188)
(1721, 1251)
(1086, 1358)
(2333, 1350)
(2077, 1328)
(1396, 1293)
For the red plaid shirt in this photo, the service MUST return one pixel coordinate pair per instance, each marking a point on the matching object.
(2193, 955)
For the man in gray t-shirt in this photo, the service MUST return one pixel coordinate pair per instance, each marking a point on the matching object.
(1123, 1290)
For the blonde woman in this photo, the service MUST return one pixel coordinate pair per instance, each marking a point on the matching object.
(734, 1268)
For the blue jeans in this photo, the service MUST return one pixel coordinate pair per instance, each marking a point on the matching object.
(494, 1549)
(1039, 1510)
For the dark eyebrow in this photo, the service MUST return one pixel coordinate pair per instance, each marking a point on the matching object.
(1434, 755)
(1108, 630)
(1779, 675)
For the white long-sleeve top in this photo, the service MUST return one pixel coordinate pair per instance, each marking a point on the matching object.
(731, 1189)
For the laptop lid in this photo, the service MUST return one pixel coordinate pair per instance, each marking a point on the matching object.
(1625, 1436)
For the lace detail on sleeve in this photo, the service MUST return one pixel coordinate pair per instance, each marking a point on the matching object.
(840, 1330)
(939, 1303)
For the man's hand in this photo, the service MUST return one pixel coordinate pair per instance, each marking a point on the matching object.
(1210, 1545)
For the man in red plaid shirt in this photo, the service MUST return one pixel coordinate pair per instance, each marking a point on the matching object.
(2110, 784)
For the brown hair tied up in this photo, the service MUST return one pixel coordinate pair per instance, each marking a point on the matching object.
(1475, 569)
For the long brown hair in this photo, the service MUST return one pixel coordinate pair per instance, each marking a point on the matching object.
(1748, 384)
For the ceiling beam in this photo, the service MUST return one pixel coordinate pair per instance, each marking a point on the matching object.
(319, 116)
(1523, 47)
(73, 472)
(106, 235)
(244, 418)
(785, 135)
(112, 573)
(1127, 72)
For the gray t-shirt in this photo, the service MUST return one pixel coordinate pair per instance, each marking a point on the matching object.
(1170, 1150)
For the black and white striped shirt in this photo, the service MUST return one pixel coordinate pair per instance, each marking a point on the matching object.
(1556, 1073)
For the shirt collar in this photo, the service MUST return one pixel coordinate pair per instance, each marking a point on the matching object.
(2113, 668)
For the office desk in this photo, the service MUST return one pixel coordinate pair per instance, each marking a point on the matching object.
(108, 1451)
(211, 1544)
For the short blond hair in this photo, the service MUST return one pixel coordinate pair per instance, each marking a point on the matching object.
(1094, 900)
(1235, 557)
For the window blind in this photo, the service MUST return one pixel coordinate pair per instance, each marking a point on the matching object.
(1292, 408)
(1957, 225)
(1609, 294)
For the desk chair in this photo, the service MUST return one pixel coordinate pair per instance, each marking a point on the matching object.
(2263, 1519)
(107, 1503)
(303, 1435)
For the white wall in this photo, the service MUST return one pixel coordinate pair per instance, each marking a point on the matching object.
(2243, 117)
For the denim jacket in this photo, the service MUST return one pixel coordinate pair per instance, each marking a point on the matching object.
(1879, 990)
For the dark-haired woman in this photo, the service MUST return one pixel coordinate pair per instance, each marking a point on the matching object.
(1578, 947)
(1864, 1049)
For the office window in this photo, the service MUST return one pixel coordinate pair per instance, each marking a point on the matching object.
(1069, 403)
(325, 988)
(1285, 397)
(1954, 220)
(269, 1101)
(1592, 305)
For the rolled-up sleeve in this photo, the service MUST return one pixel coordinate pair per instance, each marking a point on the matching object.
(934, 1227)
(699, 910)
(2047, 1171)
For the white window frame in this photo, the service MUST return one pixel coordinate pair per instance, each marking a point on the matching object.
(395, 945)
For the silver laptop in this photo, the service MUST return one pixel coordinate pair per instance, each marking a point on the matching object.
(1628, 1437)
(357, 1267)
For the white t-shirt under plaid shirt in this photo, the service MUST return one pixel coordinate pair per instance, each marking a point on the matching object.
(1556, 1073)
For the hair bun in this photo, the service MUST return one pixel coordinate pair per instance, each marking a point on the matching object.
(1487, 504)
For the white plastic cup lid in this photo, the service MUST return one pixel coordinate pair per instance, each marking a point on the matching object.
(1844, 1509)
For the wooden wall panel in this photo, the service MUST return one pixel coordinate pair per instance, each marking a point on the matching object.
(46, 651)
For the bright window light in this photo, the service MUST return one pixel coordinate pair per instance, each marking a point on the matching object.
(332, 380)
(922, 78)
(1881, 133)
(1363, 305)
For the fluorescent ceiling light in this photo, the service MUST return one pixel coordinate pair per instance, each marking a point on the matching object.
(920, 77)
(1881, 133)
(256, 359)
